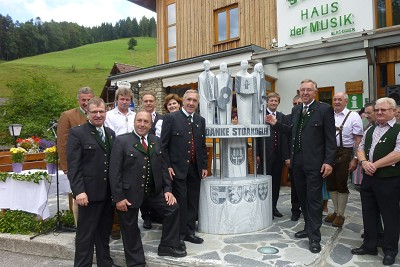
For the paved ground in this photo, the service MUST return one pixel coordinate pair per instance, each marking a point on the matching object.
(229, 250)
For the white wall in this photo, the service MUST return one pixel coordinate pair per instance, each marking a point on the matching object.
(334, 74)
(348, 15)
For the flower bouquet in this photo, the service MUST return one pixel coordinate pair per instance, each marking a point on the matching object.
(51, 154)
(31, 144)
(18, 154)
(17, 158)
(51, 159)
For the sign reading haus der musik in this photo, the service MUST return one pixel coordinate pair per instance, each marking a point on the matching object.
(315, 19)
(233, 131)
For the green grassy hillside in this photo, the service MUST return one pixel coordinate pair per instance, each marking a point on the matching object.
(88, 65)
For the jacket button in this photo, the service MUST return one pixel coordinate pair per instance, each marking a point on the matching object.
(187, 161)
(142, 185)
(105, 179)
(143, 176)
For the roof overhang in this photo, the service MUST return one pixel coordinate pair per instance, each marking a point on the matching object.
(149, 4)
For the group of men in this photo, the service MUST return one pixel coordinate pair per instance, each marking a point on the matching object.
(315, 155)
(163, 175)
(114, 161)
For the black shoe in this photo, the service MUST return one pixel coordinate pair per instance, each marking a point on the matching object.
(194, 239)
(301, 234)
(170, 251)
(276, 213)
(115, 235)
(147, 224)
(295, 217)
(315, 247)
(388, 260)
(363, 251)
(182, 244)
(115, 265)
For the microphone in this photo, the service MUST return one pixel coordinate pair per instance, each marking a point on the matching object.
(53, 124)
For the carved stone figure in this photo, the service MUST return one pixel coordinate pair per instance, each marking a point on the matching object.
(224, 94)
(245, 85)
(206, 85)
(259, 100)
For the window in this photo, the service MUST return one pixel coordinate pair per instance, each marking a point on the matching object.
(170, 54)
(226, 22)
(388, 13)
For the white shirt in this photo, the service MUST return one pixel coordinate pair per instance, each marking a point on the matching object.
(119, 122)
(353, 126)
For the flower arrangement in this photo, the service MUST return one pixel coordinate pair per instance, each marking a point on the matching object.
(18, 154)
(43, 144)
(51, 154)
(31, 144)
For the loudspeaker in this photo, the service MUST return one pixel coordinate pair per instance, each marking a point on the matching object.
(393, 91)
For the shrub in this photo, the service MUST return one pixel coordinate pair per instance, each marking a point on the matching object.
(35, 102)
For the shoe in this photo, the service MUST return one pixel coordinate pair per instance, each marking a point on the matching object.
(331, 217)
(338, 221)
(301, 234)
(363, 251)
(147, 224)
(276, 213)
(388, 260)
(171, 251)
(115, 265)
(182, 244)
(194, 239)
(315, 247)
(115, 235)
(295, 217)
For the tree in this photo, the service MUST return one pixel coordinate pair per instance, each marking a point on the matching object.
(144, 26)
(35, 102)
(152, 27)
(132, 43)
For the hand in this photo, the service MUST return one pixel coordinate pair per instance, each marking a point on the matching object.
(353, 165)
(204, 174)
(368, 167)
(271, 119)
(258, 160)
(326, 169)
(82, 199)
(287, 162)
(123, 205)
(169, 197)
(171, 173)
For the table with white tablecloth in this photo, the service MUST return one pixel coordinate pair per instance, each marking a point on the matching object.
(32, 197)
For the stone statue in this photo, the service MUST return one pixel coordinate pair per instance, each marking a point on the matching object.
(259, 100)
(207, 94)
(224, 95)
(245, 85)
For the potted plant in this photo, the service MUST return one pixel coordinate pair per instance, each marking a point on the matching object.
(31, 144)
(51, 159)
(17, 158)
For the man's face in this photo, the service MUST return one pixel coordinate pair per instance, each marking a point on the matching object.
(123, 103)
(97, 114)
(339, 102)
(397, 114)
(148, 103)
(83, 99)
(298, 101)
(383, 112)
(142, 123)
(273, 103)
(307, 92)
(370, 114)
(190, 102)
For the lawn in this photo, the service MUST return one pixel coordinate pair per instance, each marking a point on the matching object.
(87, 65)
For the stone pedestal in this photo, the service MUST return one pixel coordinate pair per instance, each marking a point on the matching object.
(235, 205)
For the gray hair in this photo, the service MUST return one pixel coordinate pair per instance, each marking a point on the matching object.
(310, 81)
(123, 91)
(389, 100)
(84, 90)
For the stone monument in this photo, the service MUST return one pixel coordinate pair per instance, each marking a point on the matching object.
(234, 201)
(206, 85)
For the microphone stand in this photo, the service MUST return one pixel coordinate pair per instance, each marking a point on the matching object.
(58, 227)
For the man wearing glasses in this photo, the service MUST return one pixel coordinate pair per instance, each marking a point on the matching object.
(313, 155)
(88, 153)
(379, 156)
